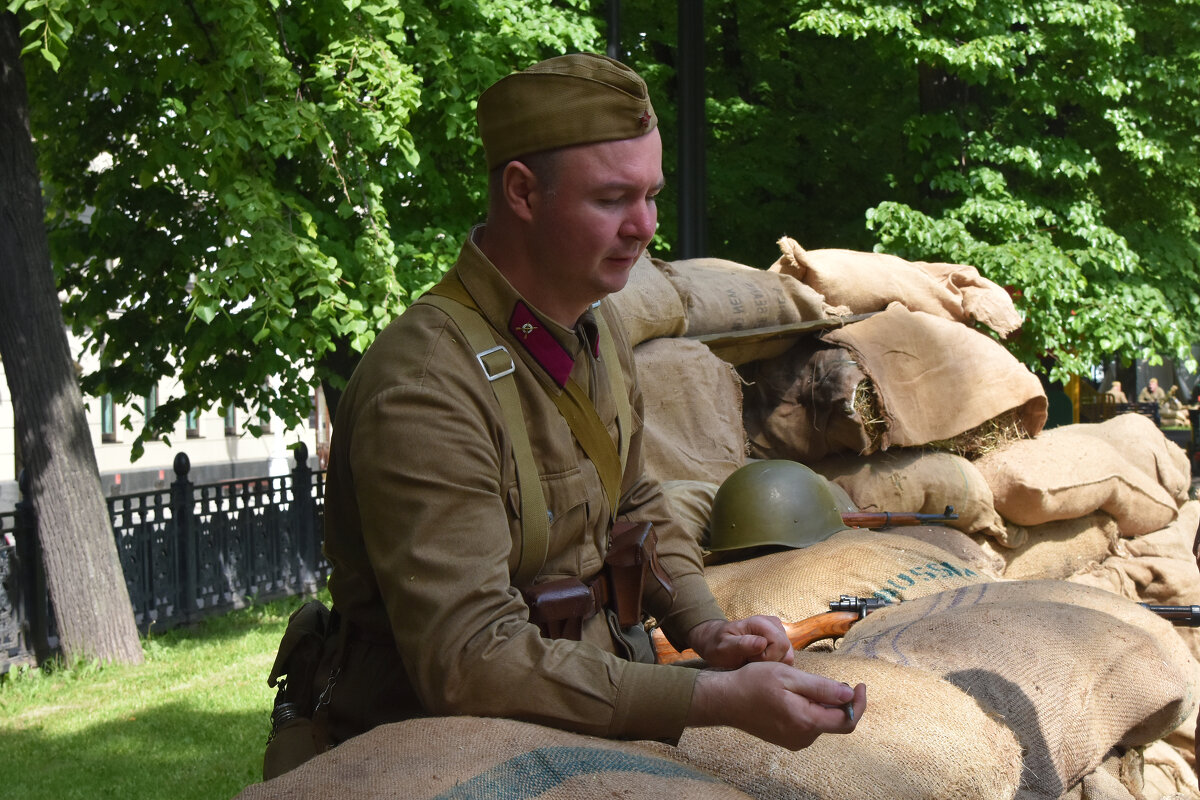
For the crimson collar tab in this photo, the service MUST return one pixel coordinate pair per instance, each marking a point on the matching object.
(541, 344)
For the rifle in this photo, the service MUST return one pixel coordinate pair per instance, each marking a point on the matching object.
(1181, 616)
(885, 519)
(835, 622)
(847, 610)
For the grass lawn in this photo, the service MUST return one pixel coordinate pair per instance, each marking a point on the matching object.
(189, 724)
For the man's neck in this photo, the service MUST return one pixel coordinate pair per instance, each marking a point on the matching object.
(509, 259)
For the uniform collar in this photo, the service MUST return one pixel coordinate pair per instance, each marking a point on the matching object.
(548, 344)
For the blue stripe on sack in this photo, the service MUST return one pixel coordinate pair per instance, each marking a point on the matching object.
(537, 771)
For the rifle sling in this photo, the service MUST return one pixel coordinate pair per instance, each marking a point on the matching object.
(580, 414)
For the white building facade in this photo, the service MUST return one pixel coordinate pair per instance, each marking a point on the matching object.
(219, 446)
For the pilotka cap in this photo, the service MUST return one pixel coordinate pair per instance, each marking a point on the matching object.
(566, 100)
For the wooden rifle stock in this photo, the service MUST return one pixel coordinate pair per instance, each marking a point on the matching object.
(842, 614)
(886, 519)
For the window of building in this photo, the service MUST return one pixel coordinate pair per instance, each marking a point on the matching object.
(108, 419)
(231, 421)
(193, 424)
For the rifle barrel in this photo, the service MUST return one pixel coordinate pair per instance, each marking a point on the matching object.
(1184, 616)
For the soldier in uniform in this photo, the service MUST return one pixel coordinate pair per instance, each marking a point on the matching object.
(424, 525)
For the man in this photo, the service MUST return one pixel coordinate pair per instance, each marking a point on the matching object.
(424, 509)
(1152, 393)
(1116, 393)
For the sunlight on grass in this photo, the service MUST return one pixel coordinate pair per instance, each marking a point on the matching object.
(189, 724)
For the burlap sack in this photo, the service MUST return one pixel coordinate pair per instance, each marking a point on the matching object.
(464, 758)
(720, 296)
(693, 412)
(1158, 568)
(920, 737)
(866, 282)
(1061, 549)
(1168, 773)
(796, 584)
(935, 379)
(1068, 476)
(1074, 671)
(649, 306)
(800, 405)
(1142, 444)
(922, 481)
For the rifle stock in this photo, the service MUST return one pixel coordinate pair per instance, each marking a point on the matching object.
(842, 613)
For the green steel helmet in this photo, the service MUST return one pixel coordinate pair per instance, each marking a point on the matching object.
(774, 502)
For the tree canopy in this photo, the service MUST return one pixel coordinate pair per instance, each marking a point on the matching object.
(248, 191)
(278, 179)
(1051, 143)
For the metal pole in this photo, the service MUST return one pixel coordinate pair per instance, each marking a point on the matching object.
(691, 178)
(614, 29)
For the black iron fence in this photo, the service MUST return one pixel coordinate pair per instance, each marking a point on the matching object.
(187, 551)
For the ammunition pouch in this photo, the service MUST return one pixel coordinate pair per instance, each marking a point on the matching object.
(559, 608)
(294, 738)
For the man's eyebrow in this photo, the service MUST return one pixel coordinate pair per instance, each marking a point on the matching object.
(624, 186)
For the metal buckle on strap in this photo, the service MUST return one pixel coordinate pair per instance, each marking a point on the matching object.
(495, 376)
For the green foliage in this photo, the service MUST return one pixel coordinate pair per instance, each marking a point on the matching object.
(1051, 143)
(244, 194)
(286, 176)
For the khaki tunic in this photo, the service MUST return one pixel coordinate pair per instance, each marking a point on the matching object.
(422, 527)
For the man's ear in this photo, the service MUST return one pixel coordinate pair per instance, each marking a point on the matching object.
(518, 187)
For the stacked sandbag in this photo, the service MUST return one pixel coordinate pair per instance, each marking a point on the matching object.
(801, 405)
(921, 737)
(1074, 671)
(935, 379)
(720, 296)
(648, 306)
(797, 584)
(866, 282)
(1060, 549)
(1144, 446)
(457, 758)
(896, 379)
(1067, 473)
(920, 481)
(693, 412)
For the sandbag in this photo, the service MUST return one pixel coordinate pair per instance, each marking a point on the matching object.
(796, 584)
(920, 737)
(1141, 444)
(693, 412)
(1061, 549)
(463, 758)
(866, 282)
(1067, 476)
(935, 379)
(922, 481)
(648, 306)
(1167, 773)
(800, 405)
(1074, 671)
(720, 296)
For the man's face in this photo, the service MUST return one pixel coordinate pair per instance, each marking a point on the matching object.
(596, 216)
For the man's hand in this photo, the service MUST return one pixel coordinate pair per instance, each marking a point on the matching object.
(728, 645)
(776, 703)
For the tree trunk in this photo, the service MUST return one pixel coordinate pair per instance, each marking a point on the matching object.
(83, 569)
